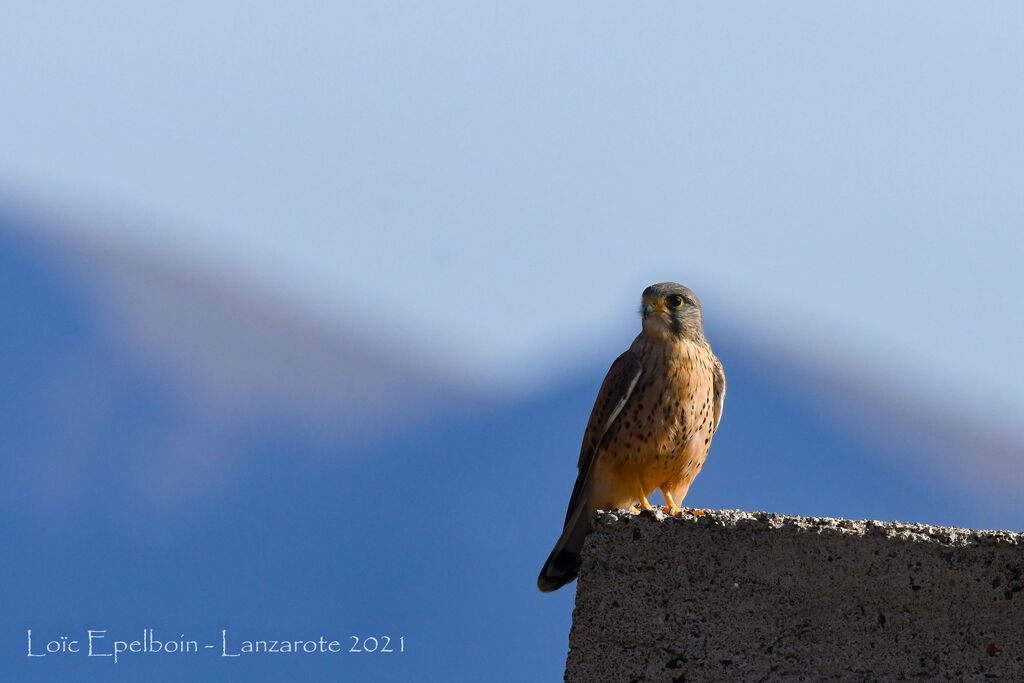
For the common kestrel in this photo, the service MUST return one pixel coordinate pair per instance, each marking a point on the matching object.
(651, 425)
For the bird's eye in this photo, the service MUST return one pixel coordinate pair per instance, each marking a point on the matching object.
(675, 301)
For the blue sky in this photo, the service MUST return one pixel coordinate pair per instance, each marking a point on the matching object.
(501, 182)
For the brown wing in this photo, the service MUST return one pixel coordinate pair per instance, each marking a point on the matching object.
(719, 398)
(616, 389)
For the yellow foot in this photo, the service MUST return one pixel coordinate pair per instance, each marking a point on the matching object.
(672, 508)
(634, 510)
(644, 503)
(698, 512)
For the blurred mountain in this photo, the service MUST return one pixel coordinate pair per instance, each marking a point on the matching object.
(116, 358)
(307, 512)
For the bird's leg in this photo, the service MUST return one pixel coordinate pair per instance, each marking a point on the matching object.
(673, 509)
(644, 503)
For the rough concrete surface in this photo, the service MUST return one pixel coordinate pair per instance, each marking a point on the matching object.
(732, 595)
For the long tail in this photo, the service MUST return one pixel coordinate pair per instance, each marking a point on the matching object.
(563, 563)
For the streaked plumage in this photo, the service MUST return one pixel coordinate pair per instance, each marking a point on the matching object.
(651, 426)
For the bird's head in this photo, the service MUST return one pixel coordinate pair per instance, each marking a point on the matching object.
(671, 311)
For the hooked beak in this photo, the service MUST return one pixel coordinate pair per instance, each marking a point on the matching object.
(651, 307)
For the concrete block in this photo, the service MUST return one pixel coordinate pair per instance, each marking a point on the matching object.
(731, 595)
